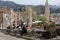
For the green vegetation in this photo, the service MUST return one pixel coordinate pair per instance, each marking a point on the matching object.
(52, 24)
(42, 18)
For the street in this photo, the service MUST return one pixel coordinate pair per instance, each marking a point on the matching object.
(8, 37)
(4, 36)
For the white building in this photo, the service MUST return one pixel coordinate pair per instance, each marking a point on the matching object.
(55, 17)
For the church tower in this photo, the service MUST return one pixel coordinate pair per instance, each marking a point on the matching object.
(47, 11)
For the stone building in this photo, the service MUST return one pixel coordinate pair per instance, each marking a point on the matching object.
(4, 11)
(7, 16)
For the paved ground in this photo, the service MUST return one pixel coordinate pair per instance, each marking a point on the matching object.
(8, 37)
(3, 36)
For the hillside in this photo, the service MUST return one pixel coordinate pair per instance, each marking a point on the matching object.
(39, 8)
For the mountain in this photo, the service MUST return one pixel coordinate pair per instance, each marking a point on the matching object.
(54, 6)
(9, 4)
(39, 8)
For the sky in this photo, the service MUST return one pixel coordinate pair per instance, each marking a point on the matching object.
(36, 2)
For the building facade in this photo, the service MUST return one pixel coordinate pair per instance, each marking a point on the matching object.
(7, 16)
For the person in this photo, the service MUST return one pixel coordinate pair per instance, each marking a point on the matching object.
(24, 30)
(9, 28)
(21, 23)
(14, 25)
(45, 26)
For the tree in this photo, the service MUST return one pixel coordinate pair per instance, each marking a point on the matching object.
(42, 18)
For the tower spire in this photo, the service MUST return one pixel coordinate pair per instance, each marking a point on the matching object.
(47, 11)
